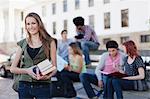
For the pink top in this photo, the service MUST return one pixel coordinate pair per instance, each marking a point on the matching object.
(111, 65)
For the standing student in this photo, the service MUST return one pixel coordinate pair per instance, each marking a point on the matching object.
(72, 71)
(39, 46)
(87, 38)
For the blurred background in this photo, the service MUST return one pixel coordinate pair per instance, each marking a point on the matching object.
(119, 20)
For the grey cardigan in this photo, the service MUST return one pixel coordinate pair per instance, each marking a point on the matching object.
(101, 64)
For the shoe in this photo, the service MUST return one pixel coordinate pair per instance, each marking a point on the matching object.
(94, 97)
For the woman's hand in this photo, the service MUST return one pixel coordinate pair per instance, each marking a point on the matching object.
(45, 77)
(100, 83)
(31, 73)
(68, 67)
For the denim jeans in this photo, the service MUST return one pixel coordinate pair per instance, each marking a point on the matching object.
(28, 90)
(86, 79)
(117, 85)
(86, 46)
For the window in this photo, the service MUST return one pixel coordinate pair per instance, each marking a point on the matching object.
(77, 4)
(124, 18)
(106, 1)
(106, 40)
(54, 27)
(145, 38)
(124, 39)
(65, 5)
(65, 24)
(22, 32)
(43, 11)
(53, 8)
(107, 20)
(22, 14)
(91, 3)
(91, 21)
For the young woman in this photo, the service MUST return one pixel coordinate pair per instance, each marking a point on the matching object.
(39, 45)
(133, 67)
(72, 71)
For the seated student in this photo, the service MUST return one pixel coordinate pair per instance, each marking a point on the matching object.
(109, 62)
(86, 37)
(63, 45)
(72, 71)
(134, 68)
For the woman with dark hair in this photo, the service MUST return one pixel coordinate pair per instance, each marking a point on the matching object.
(36, 47)
(72, 71)
(133, 67)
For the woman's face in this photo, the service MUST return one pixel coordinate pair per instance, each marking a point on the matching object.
(32, 25)
(124, 49)
(70, 50)
(112, 52)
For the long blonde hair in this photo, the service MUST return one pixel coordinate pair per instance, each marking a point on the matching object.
(43, 34)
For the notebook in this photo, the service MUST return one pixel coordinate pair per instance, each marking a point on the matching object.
(115, 74)
(61, 63)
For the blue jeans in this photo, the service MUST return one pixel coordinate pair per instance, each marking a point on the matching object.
(86, 79)
(28, 90)
(86, 46)
(117, 85)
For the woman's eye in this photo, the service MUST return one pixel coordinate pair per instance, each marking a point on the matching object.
(33, 23)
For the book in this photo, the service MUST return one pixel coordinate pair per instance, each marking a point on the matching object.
(45, 67)
(61, 63)
(118, 74)
(115, 74)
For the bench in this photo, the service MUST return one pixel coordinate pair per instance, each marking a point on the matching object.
(96, 54)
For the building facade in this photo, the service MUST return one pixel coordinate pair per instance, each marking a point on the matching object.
(119, 20)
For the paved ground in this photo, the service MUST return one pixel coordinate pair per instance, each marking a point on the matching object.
(6, 92)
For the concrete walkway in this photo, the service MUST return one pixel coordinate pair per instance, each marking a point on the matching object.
(6, 92)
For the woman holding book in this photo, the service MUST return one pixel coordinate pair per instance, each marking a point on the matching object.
(72, 71)
(134, 69)
(35, 48)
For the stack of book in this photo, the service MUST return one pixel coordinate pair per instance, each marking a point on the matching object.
(45, 67)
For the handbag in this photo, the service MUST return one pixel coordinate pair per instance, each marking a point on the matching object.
(140, 85)
(57, 89)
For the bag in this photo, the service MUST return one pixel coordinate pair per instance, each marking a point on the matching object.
(57, 89)
(140, 85)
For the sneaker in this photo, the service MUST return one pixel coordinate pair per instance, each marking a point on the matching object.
(94, 97)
